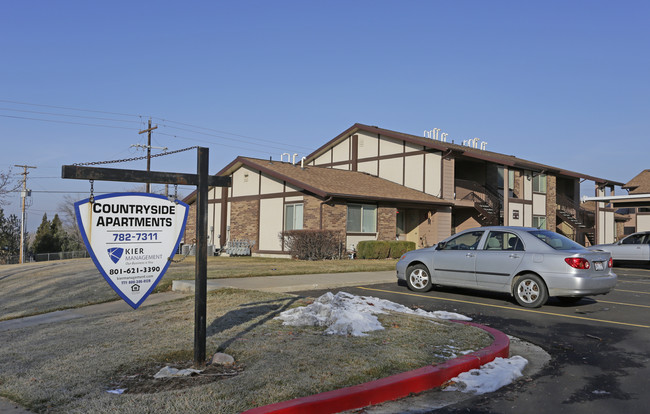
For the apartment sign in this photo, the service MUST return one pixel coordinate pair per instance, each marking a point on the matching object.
(132, 237)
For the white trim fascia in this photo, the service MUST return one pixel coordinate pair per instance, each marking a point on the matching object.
(614, 198)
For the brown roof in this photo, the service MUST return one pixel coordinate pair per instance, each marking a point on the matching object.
(460, 150)
(639, 184)
(331, 182)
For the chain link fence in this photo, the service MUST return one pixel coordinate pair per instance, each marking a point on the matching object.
(45, 257)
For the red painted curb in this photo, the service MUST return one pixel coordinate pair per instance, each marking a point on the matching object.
(395, 386)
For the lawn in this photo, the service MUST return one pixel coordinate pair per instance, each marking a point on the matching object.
(36, 288)
(68, 367)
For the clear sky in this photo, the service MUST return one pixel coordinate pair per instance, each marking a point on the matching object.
(565, 83)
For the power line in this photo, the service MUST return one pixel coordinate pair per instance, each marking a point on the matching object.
(64, 122)
(67, 115)
(218, 131)
(67, 107)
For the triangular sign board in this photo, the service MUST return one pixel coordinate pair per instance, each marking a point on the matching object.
(131, 238)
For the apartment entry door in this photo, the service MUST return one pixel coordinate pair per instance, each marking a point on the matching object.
(408, 225)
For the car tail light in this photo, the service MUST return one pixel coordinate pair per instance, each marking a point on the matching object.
(610, 263)
(578, 262)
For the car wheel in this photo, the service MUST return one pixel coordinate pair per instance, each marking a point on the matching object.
(530, 291)
(418, 278)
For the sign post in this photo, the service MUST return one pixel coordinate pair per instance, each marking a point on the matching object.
(202, 181)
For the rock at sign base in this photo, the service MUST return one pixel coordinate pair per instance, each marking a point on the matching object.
(222, 359)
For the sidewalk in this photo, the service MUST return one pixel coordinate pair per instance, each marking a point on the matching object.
(293, 283)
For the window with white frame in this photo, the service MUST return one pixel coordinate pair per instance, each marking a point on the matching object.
(539, 222)
(293, 216)
(539, 183)
(362, 218)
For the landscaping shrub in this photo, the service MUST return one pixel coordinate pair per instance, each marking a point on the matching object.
(313, 244)
(383, 249)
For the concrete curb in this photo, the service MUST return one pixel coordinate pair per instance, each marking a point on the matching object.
(393, 387)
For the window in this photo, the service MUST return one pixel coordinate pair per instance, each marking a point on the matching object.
(539, 222)
(293, 216)
(555, 240)
(539, 183)
(465, 241)
(362, 218)
(634, 239)
(501, 240)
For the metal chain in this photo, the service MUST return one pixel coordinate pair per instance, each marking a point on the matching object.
(144, 157)
(91, 199)
(169, 259)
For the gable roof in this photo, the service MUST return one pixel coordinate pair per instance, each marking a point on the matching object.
(331, 182)
(639, 184)
(459, 150)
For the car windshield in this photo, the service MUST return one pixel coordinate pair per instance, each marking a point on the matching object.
(556, 241)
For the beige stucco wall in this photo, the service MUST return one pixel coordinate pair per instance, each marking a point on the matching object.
(392, 170)
(214, 223)
(245, 182)
(352, 241)
(341, 152)
(368, 146)
(518, 221)
(528, 185)
(642, 222)
(389, 146)
(369, 167)
(414, 174)
(539, 204)
(528, 215)
(412, 147)
(271, 185)
(324, 158)
(271, 211)
(433, 179)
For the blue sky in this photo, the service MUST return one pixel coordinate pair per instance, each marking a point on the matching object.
(556, 82)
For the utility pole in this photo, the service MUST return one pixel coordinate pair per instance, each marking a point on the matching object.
(23, 196)
(148, 131)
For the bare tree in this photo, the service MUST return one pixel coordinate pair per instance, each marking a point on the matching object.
(8, 184)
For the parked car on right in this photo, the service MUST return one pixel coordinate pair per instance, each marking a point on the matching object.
(634, 248)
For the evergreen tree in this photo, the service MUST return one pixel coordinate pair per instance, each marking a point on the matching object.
(44, 240)
(9, 236)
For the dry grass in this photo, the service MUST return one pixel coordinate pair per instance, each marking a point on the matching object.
(35, 288)
(67, 367)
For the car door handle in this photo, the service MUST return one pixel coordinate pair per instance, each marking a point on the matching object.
(469, 255)
(513, 256)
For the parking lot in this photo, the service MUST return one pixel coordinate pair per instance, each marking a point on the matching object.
(599, 346)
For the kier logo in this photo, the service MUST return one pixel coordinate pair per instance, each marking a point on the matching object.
(115, 253)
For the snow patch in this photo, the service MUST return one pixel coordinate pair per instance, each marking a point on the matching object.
(490, 377)
(346, 314)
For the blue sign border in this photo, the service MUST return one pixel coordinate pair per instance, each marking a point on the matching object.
(92, 253)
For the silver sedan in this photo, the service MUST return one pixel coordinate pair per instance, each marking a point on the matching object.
(529, 263)
(634, 248)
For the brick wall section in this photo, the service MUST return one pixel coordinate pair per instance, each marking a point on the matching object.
(311, 212)
(244, 221)
(386, 223)
(551, 202)
(190, 225)
(517, 190)
(335, 217)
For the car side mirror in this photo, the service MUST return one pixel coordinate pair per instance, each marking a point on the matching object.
(440, 246)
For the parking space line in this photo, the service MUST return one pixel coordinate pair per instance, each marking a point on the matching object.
(631, 281)
(624, 304)
(631, 291)
(512, 308)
